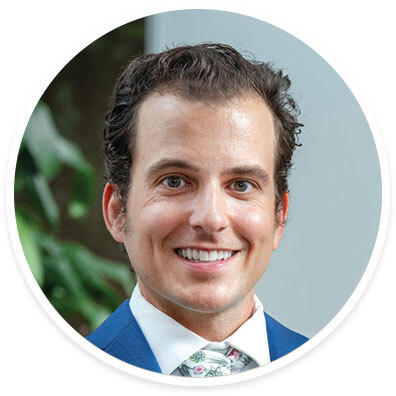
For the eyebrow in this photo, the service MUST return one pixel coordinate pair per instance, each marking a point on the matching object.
(254, 171)
(169, 163)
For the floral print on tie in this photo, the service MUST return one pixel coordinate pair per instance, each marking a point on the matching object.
(211, 363)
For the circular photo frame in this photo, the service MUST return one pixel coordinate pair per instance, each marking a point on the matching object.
(335, 227)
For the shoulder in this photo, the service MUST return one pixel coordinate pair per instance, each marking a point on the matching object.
(120, 336)
(281, 340)
(112, 327)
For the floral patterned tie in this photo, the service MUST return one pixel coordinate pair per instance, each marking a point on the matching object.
(214, 362)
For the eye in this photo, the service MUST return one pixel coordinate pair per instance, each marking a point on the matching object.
(242, 185)
(174, 182)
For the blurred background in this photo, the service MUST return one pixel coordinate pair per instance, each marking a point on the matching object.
(335, 183)
(59, 184)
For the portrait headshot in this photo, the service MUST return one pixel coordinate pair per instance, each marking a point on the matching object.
(208, 200)
(198, 146)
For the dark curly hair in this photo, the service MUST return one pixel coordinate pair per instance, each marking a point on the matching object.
(209, 72)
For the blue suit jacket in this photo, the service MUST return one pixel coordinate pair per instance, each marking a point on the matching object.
(120, 336)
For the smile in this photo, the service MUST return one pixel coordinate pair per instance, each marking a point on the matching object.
(199, 256)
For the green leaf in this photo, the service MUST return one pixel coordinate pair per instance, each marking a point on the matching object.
(82, 301)
(40, 139)
(58, 263)
(84, 183)
(93, 266)
(83, 193)
(37, 187)
(70, 154)
(70, 277)
(30, 248)
(91, 279)
(117, 272)
(50, 151)
(76, 283)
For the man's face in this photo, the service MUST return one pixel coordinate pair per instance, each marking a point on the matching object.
(200, 222)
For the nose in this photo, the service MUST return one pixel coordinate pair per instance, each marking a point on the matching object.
(209, 211)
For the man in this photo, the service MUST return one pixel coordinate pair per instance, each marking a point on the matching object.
(198, 147)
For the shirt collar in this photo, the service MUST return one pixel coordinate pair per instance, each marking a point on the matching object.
(172, 343)
(251, 337)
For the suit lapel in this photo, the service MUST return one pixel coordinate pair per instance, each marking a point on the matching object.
(281, 340)
(131, 347)
(121, 337)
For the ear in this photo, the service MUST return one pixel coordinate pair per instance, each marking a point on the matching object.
(280, 218)
(113, 213)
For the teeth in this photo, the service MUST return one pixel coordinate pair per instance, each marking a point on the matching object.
(189, 254)
(203, 255)
(212, 255)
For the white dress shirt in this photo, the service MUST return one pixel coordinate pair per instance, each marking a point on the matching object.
(172, 343)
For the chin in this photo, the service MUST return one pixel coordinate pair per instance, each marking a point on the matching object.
(209, 302)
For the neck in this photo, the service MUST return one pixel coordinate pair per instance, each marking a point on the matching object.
(212, 326)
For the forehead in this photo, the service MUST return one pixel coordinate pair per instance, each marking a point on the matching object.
(238, 131)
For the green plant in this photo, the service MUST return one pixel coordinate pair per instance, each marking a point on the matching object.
(76, 281)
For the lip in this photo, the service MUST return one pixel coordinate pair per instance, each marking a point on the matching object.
(210, 266)
(208, 249)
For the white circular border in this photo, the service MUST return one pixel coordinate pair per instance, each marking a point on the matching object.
(167, 379)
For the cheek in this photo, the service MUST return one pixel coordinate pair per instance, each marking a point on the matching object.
(256, 225)
(159, 220)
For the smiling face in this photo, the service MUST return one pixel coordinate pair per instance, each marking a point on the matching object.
(200, 222)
